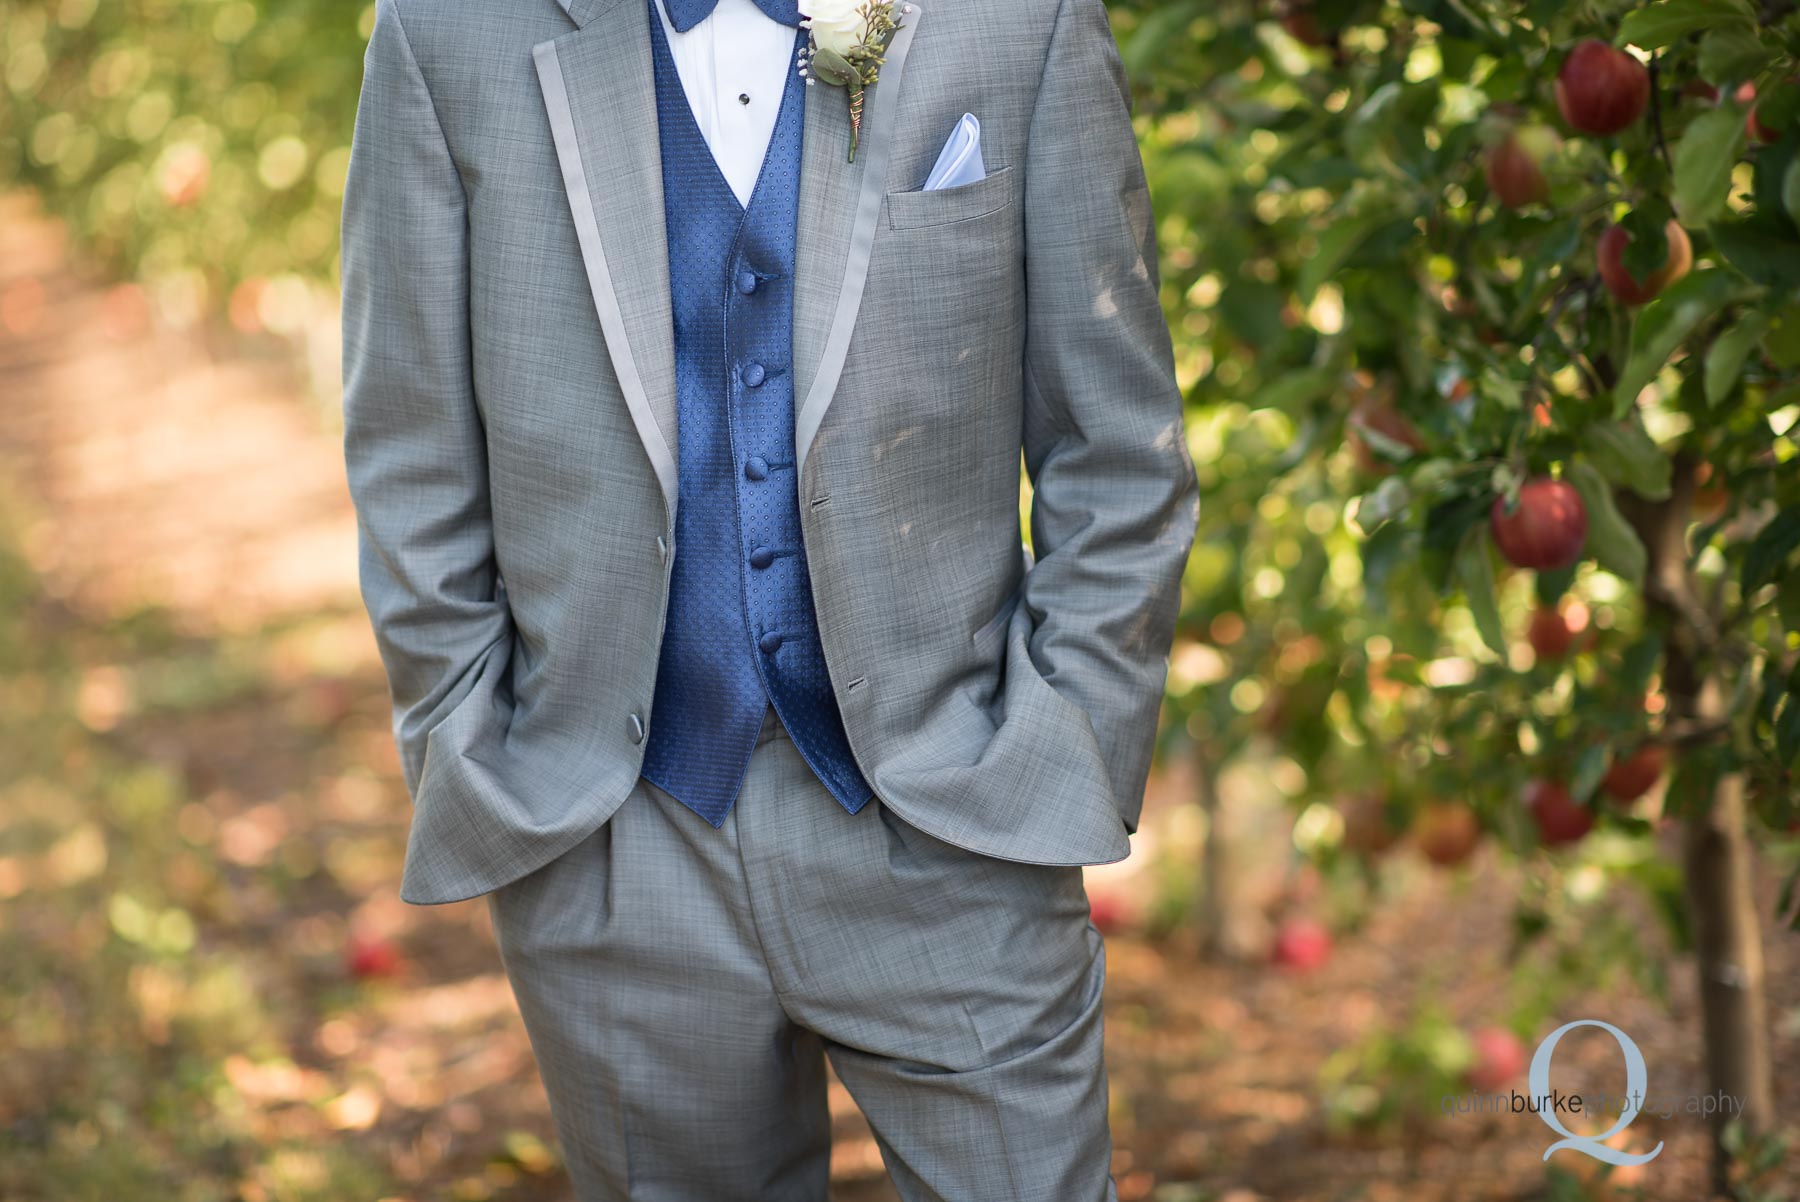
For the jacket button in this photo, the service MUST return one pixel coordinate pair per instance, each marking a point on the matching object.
(746, 281)
(761, 557)
(770, 642)
(754, 374)
(637, 729)
(756, 468)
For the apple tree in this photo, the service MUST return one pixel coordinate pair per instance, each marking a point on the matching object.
(1488, 312)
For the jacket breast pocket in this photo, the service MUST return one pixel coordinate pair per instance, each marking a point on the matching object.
(918, 208)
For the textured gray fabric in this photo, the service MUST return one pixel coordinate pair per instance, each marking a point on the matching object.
(515, 531)
(679, 984)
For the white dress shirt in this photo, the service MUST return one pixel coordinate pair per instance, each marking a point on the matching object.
(733, 66)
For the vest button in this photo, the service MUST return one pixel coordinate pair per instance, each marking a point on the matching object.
(753, 374)
(756, 468)
(746, 281)
(761, 557)
(770, 642)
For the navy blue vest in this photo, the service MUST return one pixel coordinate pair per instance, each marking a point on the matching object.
(741, 633)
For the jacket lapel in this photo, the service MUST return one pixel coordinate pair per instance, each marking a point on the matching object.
(600, 93)
(839, 205)
(599, 90)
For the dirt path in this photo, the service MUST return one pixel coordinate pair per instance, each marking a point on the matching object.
(167, 475)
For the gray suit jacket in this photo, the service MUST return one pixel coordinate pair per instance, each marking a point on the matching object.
(509, 406)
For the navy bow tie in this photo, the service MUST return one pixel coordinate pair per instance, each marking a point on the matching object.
(685, 14)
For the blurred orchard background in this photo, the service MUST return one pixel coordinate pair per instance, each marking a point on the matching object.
(1483, 716)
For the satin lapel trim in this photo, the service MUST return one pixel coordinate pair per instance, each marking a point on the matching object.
(618, 207)
(825, 301)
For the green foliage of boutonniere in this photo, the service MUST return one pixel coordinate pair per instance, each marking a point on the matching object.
(848, 43)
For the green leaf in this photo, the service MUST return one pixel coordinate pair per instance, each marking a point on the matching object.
(1760, 248)
(1384, 551)
(1661, 24)
(1778, 105)
(1769, 172)
(1336, 244)
(832, 68)
(1252, 309)
(1640, 662)
(1647, 251)
(1295, 391)
(1787, 602)
(1501, 389)
(1730, 350)
(1373, 119)
(1590, 768)
(1774, 691)
(1790, 189)
(1551, 584)
(1389, 500)
(1768, 553)
(1663, 324)
(1612, 542)
(1704, 157)
(1787, 733)
(1153, 31)
(1627, 455)
(1475, 572)
(1731, 53)
(1556, 246)
(1446, 524)
(1782, 345)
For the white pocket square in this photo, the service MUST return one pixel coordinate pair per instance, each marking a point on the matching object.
(959, 162)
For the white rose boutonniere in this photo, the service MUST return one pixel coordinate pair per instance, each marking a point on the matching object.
(848, 41)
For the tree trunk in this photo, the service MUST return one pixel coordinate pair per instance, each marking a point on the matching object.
(1214, 861)
(1728, 951)
(1715, 850)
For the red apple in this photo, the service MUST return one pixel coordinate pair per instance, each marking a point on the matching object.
(1301, 945)
(1515, 166)
(1549, 634)
(1753, 126)
(1446, 832)
(1500, 1057)
(368, 957)
(1630, 778)
(1108, 914)
(1547, 528)
(1601, 89)
(1559, 819)
(1610, 258)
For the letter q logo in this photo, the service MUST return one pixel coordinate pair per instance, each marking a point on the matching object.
(1636, 1078)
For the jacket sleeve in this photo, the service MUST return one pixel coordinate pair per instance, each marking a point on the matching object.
(414, 444)
(1115, 501)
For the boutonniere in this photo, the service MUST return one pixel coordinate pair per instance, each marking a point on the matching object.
(848, 42)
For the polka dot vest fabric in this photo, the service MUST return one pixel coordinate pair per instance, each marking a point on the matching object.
(741, 633)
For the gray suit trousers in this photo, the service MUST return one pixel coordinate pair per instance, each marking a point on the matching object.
(683, 985)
